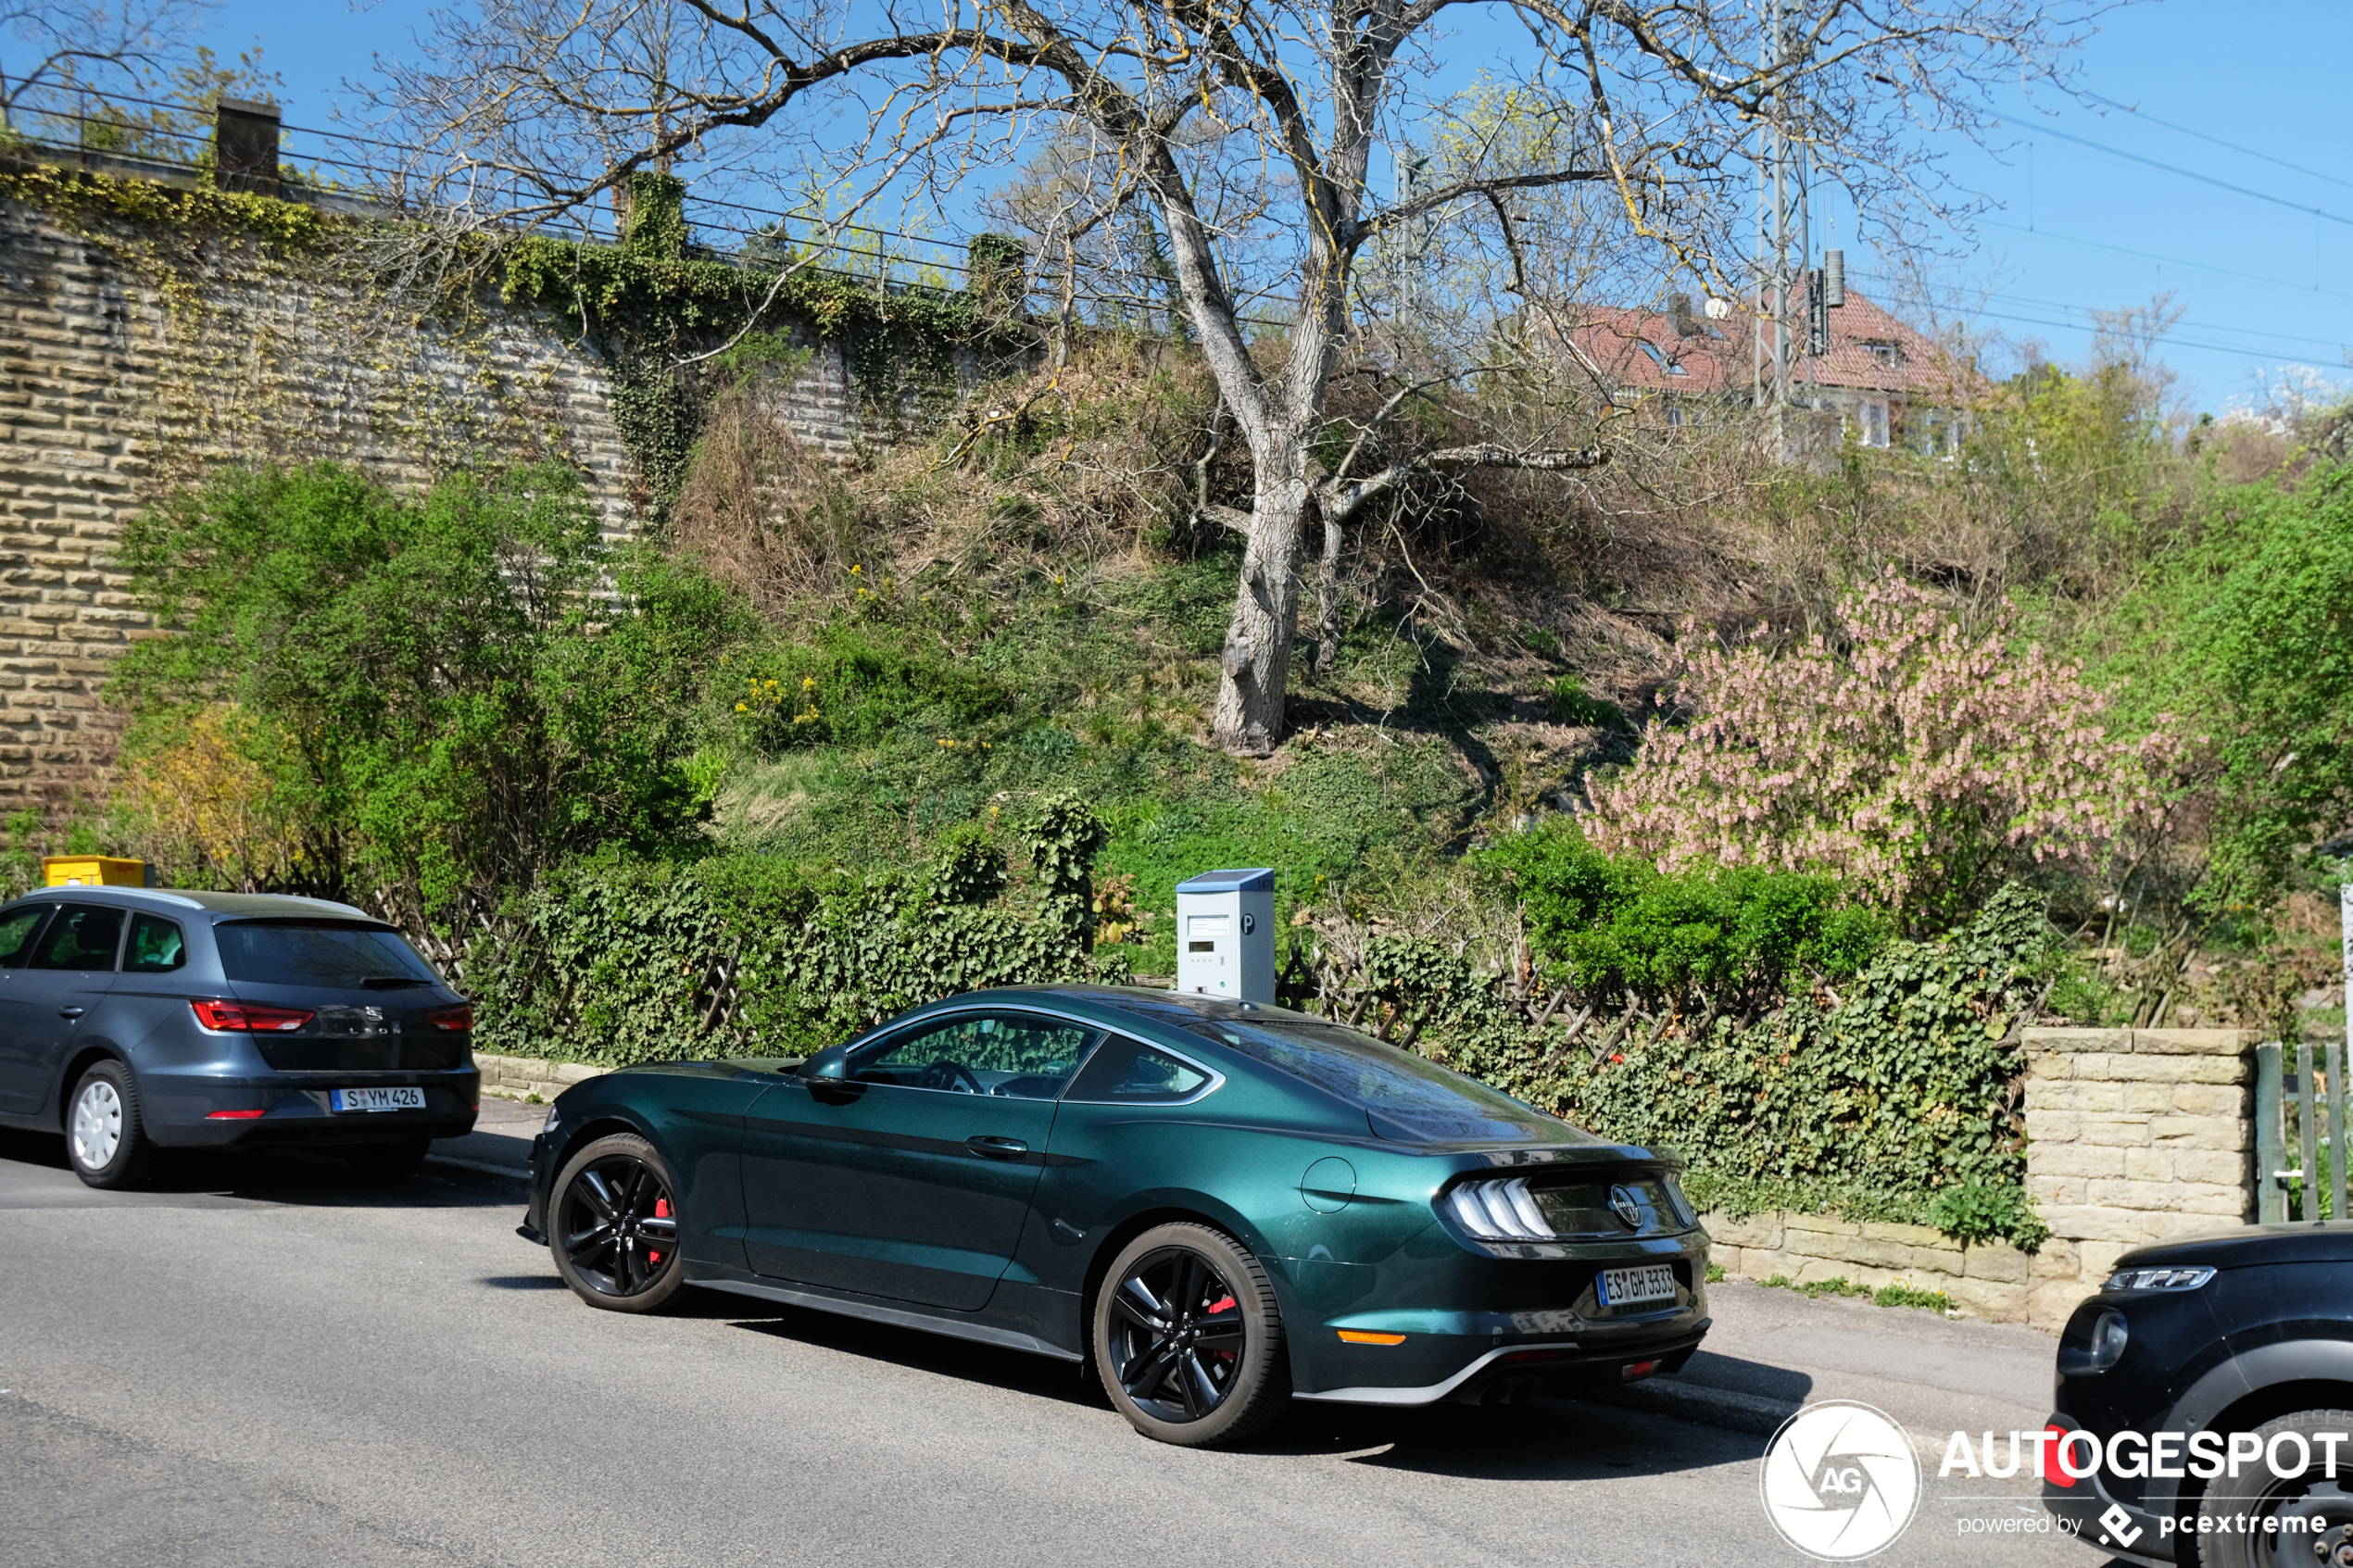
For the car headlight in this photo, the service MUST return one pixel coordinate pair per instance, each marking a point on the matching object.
(553, 1116)
(2159, 1279)
(2109, 1336)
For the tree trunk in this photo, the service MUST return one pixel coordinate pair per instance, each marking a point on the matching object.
(1328, 596)
(1248, 720)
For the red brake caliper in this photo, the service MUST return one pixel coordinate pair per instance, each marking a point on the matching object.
(1220, 1305)
(661, 1211)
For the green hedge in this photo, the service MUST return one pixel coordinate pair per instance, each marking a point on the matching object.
(1898, 1098)
(622, 961)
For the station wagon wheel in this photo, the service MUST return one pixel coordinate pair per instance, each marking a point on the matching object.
(615, 1228)
(1187, 1337)
(106, 1134)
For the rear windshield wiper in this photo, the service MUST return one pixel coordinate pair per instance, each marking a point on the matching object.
(391, 982)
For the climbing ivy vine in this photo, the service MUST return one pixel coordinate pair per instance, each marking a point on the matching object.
(649, 303)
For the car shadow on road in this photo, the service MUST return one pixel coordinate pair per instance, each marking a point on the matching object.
(1042, 1377)
(1544, 1438)
(288, 1176)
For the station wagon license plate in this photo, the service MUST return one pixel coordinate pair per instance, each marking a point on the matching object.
(1629, 1287)
(378, 1099)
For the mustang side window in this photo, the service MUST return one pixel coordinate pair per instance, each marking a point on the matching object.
(1019, 1056)
(1128, 1071)
(155, 946)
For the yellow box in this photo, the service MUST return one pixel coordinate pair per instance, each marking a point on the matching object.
(92, 871)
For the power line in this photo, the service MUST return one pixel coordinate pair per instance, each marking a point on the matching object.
(2233, 147)
(2191, 174)
(2169, 260)
(2337, 364)
(2066, 305)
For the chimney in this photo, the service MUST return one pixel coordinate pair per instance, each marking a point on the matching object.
(244, 146)
(1679, 310)
(1833, 278)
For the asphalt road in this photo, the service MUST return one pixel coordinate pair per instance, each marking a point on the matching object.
(265, 1362)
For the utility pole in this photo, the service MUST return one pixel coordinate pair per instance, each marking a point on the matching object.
(1785, 241)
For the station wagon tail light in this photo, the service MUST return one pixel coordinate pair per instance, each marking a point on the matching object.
(246, 1017)
(456, 1019)
(2159, 1279)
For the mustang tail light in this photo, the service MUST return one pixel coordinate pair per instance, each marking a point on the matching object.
(456, 1019)
(1498, 1210)
(249, 1018)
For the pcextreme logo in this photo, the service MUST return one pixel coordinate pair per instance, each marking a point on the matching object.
(1840, 1481)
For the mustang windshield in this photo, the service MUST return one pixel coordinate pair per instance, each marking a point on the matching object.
(1406, 1097)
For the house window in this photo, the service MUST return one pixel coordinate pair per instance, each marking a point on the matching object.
(1674, 413)
(1884, 352)
(1659, 358)
(1873, 413)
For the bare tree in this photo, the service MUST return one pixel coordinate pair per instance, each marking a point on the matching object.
(53, 47)
(1256, 132)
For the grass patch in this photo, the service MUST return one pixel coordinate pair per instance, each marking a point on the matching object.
(1897, 1295)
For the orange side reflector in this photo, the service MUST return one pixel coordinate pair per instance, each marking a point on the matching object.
(1358, 1337)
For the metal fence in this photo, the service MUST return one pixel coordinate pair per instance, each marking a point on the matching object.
(360, 175)
(2289, 1107)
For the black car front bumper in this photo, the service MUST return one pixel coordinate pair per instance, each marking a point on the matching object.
(2098, 1519)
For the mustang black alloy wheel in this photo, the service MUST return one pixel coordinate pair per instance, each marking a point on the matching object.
(1187, 1337)
(615, 1228)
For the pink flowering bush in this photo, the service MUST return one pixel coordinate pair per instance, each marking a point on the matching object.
(1914, 762)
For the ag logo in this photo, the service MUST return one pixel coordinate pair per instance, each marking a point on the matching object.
(1840, 1481)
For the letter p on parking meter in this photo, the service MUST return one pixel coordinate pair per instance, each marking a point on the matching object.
(1225, 934)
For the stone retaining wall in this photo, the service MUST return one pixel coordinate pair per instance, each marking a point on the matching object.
(131, 360)
(2133, 1135)
(518, 1077)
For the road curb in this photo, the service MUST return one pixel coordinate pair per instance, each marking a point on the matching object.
(1727, 1407)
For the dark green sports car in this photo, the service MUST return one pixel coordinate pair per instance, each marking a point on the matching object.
(1213, 1207)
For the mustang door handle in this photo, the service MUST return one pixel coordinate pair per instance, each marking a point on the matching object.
(68, 1012)
(997, 1148)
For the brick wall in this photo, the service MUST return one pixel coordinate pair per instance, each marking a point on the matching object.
(2133, 1135)
(115, 380)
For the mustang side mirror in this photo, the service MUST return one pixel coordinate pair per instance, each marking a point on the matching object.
(828, 1066)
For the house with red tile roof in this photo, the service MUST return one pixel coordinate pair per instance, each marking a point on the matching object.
(1888, 385)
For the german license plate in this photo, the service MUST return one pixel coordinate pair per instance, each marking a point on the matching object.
(1629, 1287)
(379, 1099)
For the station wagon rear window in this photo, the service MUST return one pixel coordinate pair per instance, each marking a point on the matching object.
(345, 954)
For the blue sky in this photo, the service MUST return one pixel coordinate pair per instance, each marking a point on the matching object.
(2263, 283)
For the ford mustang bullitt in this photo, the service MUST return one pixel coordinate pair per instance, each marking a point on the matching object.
(1213, 1207)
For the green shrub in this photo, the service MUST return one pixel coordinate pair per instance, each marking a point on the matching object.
(1614, 927)
(1571, 705)
(1977, 1211)
(448, 692)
